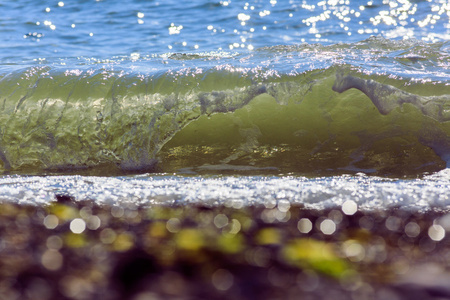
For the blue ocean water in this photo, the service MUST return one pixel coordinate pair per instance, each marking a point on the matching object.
(139, 101)
(50, 30)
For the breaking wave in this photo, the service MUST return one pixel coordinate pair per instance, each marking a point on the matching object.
(279, 110)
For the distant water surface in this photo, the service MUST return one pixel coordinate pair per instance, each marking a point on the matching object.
(104, 29)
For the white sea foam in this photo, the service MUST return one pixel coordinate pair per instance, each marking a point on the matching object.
(367, 193)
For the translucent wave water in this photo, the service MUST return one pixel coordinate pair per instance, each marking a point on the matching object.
(276, 109)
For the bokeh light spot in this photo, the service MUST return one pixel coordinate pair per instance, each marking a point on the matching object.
(436, 233)
(349, 207)
(77, 225)
(222, 279)
(304, 225)
(327, 227)
(51, 221)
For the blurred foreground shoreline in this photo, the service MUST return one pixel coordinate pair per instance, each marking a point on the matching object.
(79, 250)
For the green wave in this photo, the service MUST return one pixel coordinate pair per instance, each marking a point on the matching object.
(212, 120)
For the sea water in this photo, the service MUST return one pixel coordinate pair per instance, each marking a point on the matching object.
(226, 102)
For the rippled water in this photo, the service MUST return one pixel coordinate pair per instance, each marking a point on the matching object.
(216, 101)
(104, 29)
